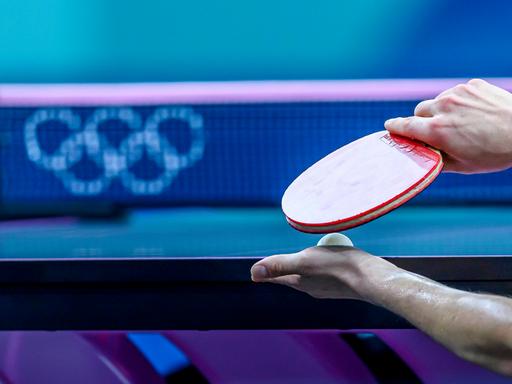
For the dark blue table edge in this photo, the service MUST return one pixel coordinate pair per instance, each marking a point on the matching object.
(203, 294)
(172, 270)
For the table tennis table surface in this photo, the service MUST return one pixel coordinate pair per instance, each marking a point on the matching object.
(188, 268)
(239, 232)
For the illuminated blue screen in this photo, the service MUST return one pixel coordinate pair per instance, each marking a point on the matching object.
(200, 154)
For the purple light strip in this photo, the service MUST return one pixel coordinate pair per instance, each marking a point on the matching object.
(226, 92)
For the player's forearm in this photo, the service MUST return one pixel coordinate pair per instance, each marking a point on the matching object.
(476, 327)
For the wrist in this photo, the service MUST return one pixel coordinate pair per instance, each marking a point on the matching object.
(366, 276)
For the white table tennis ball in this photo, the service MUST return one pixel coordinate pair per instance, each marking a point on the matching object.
(335, 239)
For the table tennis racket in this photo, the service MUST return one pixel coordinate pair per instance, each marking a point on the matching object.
(360, 182)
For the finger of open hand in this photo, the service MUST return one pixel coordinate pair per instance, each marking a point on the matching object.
(289, 280)
(276, 266)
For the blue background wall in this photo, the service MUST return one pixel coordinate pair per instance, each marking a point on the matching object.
(159, 40)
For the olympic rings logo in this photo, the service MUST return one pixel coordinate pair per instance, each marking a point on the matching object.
(115, 162)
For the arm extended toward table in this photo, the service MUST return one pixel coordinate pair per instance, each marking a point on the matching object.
(477, 327)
